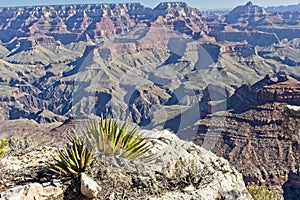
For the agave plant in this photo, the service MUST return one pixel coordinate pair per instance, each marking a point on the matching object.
(74, 158)
(109, 137)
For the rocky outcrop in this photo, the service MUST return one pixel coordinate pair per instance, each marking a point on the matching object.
(169, 148)
(32, 191)
(252, 16)
(96, 20)
(282, 9)
(183, 18)
(246, 15)
(281, 89)
(259, 132)
(175, 9)
(290, 126)
(245, 50)
(255, 38)
(217, 178)
(287, 91)
(281, 32)
(282, 53)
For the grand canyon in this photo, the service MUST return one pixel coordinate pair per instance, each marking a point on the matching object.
(227, 80)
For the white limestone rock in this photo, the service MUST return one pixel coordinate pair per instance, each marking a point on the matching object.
(31, 191)
(226, 182)
(88, 186)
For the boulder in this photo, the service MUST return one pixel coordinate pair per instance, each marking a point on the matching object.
(31, 191)
(88, 186)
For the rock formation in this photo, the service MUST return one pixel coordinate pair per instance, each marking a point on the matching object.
(170, 67)
(258, 132)
(220, 179)
(282, 9)
(246, 15)
(71, 22)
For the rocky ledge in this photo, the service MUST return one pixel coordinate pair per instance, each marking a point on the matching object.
(26, 176)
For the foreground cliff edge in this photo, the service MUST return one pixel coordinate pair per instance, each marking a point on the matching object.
(24, 177)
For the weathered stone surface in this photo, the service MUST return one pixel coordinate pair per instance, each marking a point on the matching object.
(96, 20)
(283, 89)
(227, 182)
(246, 14)
(218, 177)
(290, 124)
(31, 191)
(287, 91)
(167, 48)
(251, 15)
(255, 38)
(88, 186)
(260, 134)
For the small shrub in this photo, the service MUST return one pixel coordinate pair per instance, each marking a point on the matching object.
(3, 145)
(262, 193)
(74, 158)
(20, 145)
(185, 173)
(109, 138)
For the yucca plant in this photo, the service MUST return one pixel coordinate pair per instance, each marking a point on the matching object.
(108, 137)
(74, 158)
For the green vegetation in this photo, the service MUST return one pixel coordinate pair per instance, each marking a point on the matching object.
(185, 173)
(262, 193)
(73, 159)
(109, 138)
(16, 146)
(103, 138)
(3, 145)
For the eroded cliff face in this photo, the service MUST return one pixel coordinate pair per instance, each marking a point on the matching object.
(259, 133)
(71, 22)
(250, 16)
(121, 75)
(246, 15)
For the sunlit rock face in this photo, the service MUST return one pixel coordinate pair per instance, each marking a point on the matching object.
(259, 131)
(71, 22)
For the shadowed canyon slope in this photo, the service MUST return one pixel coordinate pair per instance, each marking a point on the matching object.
(223, 80)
